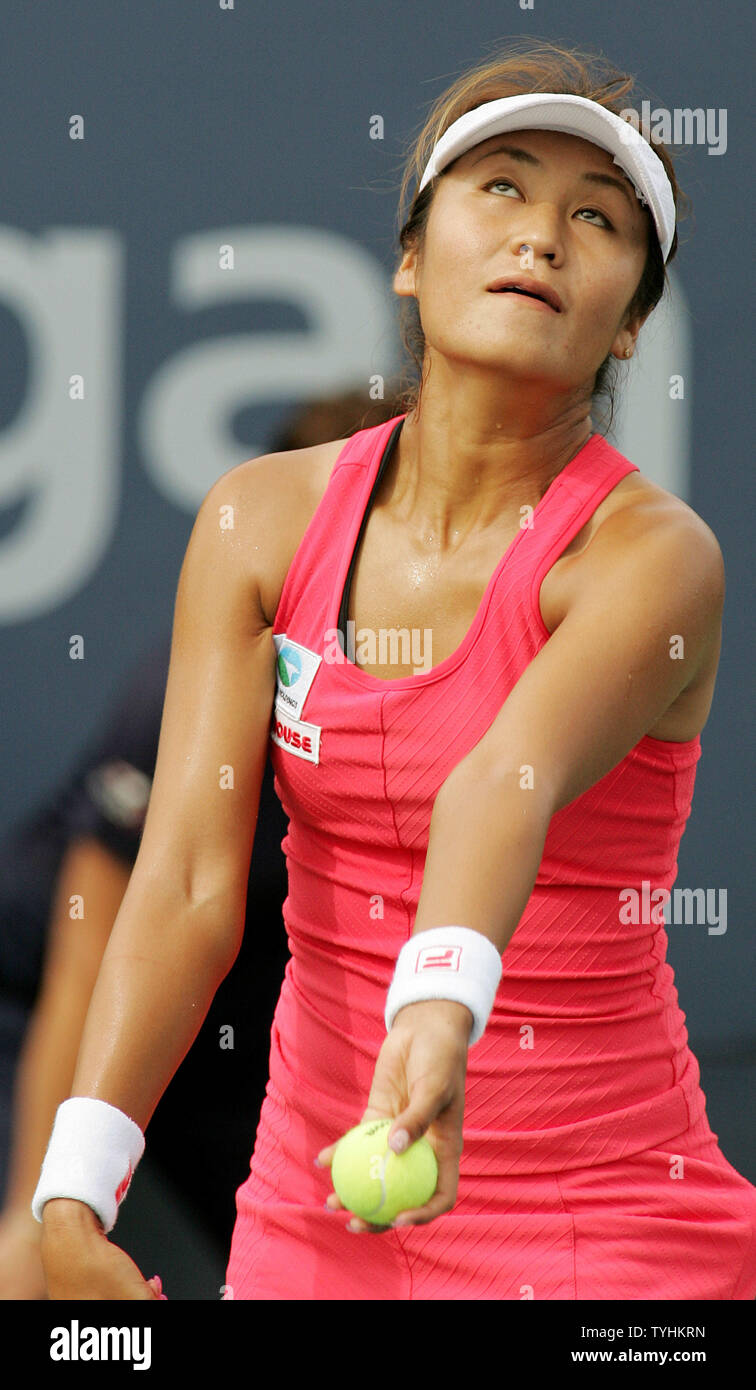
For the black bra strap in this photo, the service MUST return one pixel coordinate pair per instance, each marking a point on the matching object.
(387, 452)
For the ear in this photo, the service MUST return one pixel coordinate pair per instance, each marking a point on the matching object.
(405, 275)
(627, 336)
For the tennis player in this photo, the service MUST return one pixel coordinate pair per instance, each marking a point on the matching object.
(476, 832)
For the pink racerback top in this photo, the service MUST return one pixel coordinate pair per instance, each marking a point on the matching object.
(585, 1057)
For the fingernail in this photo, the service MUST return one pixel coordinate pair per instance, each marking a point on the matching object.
(399, 1141)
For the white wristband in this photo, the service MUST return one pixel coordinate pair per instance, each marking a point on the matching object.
(447, 963)
(92, 1155)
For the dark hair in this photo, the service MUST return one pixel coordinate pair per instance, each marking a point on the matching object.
(525, 65)
(337, 416)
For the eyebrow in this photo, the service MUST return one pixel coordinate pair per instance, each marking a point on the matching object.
(525, 157)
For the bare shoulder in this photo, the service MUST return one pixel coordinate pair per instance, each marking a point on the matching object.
(643, 511)
(274, 498)
(655, 536)
(637, 522)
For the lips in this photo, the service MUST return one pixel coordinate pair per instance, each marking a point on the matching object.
(533, 289)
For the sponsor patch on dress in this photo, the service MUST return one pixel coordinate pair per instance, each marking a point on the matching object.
(295, 736)
(296, 668)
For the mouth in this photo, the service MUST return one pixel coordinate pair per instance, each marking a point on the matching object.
(533, 290)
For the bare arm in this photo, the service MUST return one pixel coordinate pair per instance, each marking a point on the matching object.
(601, 681)
(179, 926)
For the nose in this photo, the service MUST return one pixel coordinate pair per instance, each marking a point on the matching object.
(537, 230)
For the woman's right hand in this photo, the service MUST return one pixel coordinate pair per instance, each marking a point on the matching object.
(80, 1262)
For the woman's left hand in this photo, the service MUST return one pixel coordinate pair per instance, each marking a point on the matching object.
(419, 1082)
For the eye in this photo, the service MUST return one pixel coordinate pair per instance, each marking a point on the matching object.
(505, 183)
(600, 214)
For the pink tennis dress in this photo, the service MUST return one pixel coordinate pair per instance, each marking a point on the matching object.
(589, 1169)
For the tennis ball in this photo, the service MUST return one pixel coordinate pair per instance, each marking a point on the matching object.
(374, 1182)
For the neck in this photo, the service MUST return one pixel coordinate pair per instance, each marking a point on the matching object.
(471, 454)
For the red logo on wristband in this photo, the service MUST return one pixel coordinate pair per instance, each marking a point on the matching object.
(123, 1186)
(432, 958)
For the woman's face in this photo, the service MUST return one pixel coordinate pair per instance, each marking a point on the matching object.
(588, 242)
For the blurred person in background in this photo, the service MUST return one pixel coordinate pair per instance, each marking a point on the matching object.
(84, 842)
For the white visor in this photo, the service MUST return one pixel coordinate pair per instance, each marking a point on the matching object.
(575, 116)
